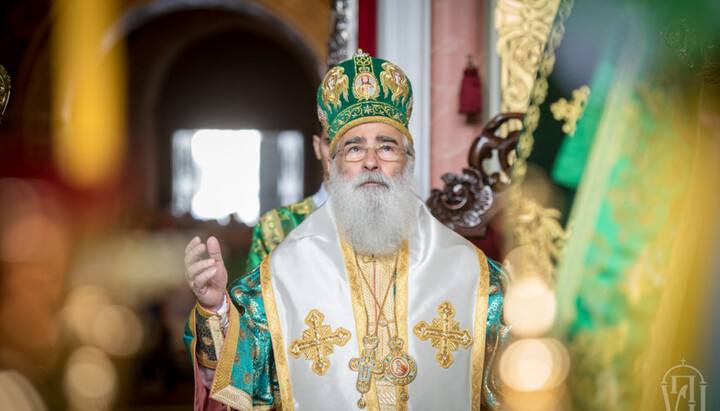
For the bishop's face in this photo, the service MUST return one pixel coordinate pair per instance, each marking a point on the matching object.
(371, 135)
(372, 194)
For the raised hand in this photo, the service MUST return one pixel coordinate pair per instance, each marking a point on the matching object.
(207, 277)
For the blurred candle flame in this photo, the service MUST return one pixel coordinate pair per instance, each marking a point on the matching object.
(89, 94)
(91, 380)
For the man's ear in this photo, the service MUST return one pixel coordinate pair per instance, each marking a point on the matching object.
(317, 146)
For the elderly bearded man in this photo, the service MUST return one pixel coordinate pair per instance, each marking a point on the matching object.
(370, 302)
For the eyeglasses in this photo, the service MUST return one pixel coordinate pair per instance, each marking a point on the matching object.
(384, 151)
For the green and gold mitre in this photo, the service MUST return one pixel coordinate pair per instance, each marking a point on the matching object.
(379, 92)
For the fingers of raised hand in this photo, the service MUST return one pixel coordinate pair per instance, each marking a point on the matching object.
(193, 254)
(198, 267)
(195, 241)
(213, 247)
(200, 281)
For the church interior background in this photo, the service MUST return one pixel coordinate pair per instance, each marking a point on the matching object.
(130, 126)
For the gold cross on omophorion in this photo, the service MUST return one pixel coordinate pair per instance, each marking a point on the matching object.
(317, 342)
(444, 333)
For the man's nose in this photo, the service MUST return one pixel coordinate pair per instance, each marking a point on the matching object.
(371, 161)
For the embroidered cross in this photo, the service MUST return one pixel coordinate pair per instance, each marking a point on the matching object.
(444, 333)
(572, 110)
(317, 342)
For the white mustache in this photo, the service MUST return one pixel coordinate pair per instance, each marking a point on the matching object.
(371, 177)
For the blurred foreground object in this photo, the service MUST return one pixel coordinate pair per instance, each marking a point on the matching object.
(626, 132)
(89, 94)
(18, 394)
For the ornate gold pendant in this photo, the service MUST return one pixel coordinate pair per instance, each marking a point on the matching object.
(400, 368)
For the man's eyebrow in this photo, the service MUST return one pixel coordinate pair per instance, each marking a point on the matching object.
(355, 140)
(386, 139)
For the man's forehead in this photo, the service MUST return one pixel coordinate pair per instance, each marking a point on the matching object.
(372, 132)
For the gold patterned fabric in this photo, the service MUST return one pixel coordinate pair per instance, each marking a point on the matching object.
(206, 349)
(274, 226)
(378, 293)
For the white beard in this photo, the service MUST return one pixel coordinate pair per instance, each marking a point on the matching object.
(375, 219)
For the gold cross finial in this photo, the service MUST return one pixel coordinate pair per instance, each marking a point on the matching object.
(444, 333)
(317, 342)
(572, 110)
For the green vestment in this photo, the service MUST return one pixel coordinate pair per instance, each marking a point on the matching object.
(272, 228)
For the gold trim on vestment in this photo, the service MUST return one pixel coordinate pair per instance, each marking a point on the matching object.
(306, 206)
(234, 398)
(222, 389)
(272, 228)
(358, 312)
(281, 362)
(478, 348)
(193, 345)
(401, 311)
(265, 407)
(204, 311)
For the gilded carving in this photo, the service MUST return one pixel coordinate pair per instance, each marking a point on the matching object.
(532, 114)
(539, 226)
(523, 28)
(571, 111)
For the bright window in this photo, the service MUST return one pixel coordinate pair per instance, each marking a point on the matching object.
(217, 173)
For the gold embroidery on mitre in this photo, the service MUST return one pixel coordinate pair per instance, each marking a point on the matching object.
(334, 85)
(444, 334)
(317, 342)
(322, 117)
(571, 111)
(394, 81)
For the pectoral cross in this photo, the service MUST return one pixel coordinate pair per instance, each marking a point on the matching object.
(366, 366)
(317, 342)
(444, 333)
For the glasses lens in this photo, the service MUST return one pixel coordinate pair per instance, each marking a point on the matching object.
(385, 152)
(355, 153)
(388, 152)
